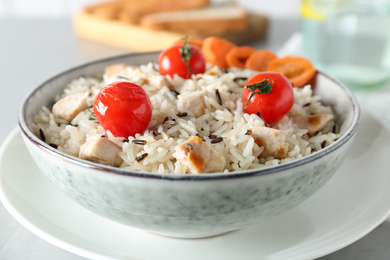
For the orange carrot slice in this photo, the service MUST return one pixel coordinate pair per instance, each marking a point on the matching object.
(299, 70)
(237, 56)
(215, 50)
(193, 41)
(259, 60)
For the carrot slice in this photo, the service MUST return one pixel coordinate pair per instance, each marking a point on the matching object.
(215, 50)
(193, 41)
(259, 60)
(299, 70)
(237, 56)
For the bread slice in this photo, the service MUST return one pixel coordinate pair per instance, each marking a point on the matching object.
(215, 19)
(137, 38)
(115, 33)
(131, 11)
(102, 23)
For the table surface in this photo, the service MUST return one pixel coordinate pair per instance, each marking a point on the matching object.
(33, 50)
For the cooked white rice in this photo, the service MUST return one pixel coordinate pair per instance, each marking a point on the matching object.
(167, 129)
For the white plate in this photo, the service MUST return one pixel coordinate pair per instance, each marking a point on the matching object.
(353, 203)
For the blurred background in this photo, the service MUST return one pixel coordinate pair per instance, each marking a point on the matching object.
(67, 8)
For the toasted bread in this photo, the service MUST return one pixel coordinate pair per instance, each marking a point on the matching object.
(115, 33)
(216, 19)
(105, 23)
(131, 11)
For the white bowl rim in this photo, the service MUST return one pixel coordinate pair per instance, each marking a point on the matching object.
(25, 130)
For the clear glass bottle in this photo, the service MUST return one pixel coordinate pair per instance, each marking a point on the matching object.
(348, 39)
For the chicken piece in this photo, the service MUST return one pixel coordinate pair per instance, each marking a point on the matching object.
(68, 107)
(193, 101)
(114, 69)
(198, 157)
(152, 78)
(313, 123)
(101, 150)
(156, 80)
(138, 76)
(273, 141)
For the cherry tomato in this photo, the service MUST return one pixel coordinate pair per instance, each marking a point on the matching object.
(123, 108)
(183, 60)
(271, 106)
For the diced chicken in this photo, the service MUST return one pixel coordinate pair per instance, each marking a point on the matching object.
(313, 123)
(101, 150)
(198, 157)
(68, 107)
(214, 71)
(114, 69)
(152, 78)
(193, 101)
(273, 141)
(156, 80)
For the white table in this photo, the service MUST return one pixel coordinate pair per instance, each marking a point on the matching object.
(33, 50)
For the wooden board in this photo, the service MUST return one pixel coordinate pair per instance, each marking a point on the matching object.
(136, 38)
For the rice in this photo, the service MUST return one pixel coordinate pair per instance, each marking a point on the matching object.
(223, 126)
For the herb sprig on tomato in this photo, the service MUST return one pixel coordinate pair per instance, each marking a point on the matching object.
(182, 59)
(269, 94)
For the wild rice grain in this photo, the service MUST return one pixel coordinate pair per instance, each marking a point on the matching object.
(217, 140)
(121, 77)
(140, 142)
(259, 115)
(219, 99)
(174, 92)
(182, 114)
(141, 157)
(239, 78)
(53, 145)
(42, 135)
(334, 129)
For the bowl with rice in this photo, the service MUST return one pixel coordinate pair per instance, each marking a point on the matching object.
(145, 182)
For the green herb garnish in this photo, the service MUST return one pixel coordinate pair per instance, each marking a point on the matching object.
(186, 54)
(92, 116)
(264, 87)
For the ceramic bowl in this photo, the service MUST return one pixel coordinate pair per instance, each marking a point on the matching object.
(187, 206)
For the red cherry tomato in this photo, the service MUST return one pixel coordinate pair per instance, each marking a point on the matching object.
(183, 60)
(271, 106)
(123, 108)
